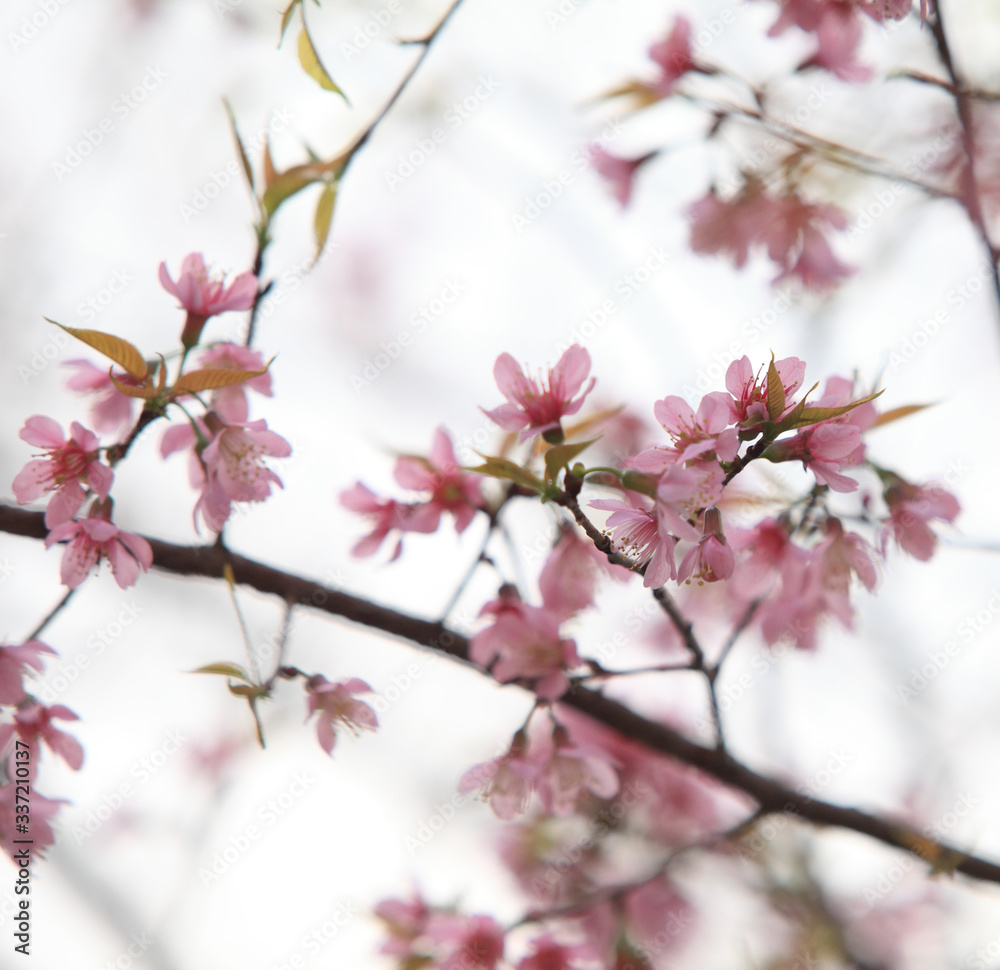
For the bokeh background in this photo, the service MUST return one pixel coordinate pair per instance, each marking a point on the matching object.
(339, 834)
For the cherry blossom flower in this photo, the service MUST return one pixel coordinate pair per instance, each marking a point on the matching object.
(94, 538)
(33, 725)
(388, 516)
(911, 510)
(749, 392)
(548, 954)
(230, 403)
(338, 707)
(696, 435)
(452, 490)
(111, 411)
(658, 917)
(673, 55)
(69, 463)
(524, 642)
(537, 407)
(466, 942)
(15, 660)
(506, 782)
(406, 921)
(619, 172)
(571, 770)
(213, 505)
(635, 533)
(821, 449)
(710, 558)
(203, 296)
(769, 551)
(42, 811)
(571, 572)
(234, 457)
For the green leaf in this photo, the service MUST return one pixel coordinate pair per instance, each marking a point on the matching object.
(775, 392)
(123, 353)
(324, 216)
(561, 455)
(504, 468)
(284, 186)
(312, 65)
(286, 18)
(800, 418)
(247, 169)
(226, 670)
(896, 413)
(213, 377)
(248, 690)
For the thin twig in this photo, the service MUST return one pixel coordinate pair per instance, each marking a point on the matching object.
(51, 615)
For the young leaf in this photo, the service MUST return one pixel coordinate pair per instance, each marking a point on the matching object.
(146, 391)
(284, 186)
(312, 65)
(562, 455)
(504, 468)
(247, 169)
(226, 670)
(269, 173)
(775, 392)
(286, 19)
(896, 413)
(324, 216)
(213, 377)
(123, 353)
(799, 419)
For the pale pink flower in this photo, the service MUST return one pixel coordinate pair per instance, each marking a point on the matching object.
(42, 811)
(69, 463)
(338, 707)
(822, 449)
(816, 266)
(524, 642)
(571, 572)
(406, 922)
(235, 456)
(681, 492)
(711, 557)
(466, 942)
(388, 515)
(33, 725)
(619, 172)
(658, 916)
(230, 403)
(204, 296)
(537, 407)
(111, 411)
(749, 391)
(452, 490)
(548, 954)
(635, 533)
(506, 782)
(769, 551)
(911, 510)
(570, 772)
(15, 659)
(696, 435)
(673, 55)
(93, 539)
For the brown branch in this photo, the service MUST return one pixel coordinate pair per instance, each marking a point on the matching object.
(771, 795)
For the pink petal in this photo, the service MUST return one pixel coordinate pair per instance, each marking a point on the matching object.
(42, 432)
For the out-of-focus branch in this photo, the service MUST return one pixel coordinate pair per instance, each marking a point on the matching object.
(772, 796)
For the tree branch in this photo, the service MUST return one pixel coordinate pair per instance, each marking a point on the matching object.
(771, 795)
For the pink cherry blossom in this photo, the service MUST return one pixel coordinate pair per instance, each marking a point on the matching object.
(619, 172)
(635, 533)
(111, 411)
(571, 573)
(452, 490)
(821, 449)
(42, 811)
(234, 458)
(673, 55)
(338, 707)
(15, 660)
(537, 406)
(466, 942)
(696, 435)
(911, 510)
(33, 725)
(506, 782)
(548, 954)
(230, 403)
(749, 392)
(524, 642)
(93, 539)
(69, 463)
(711, 557)
(766, 551)
(388, 516)
(571, 771)
(406, 921)
(658, 916)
